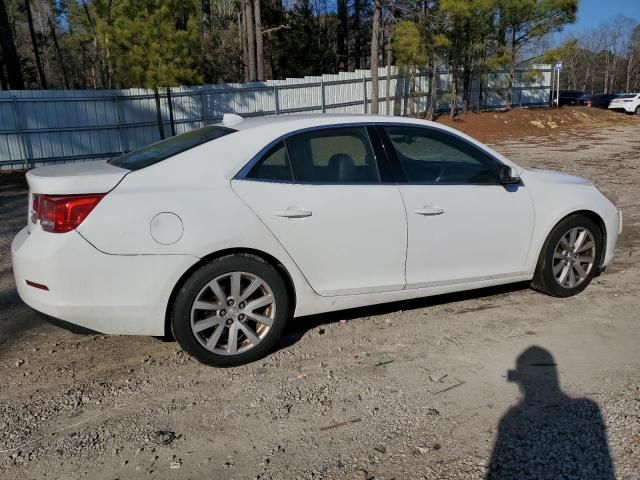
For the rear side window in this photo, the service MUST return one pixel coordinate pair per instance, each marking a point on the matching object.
(334, 156)
(156, 152)
(274, 166)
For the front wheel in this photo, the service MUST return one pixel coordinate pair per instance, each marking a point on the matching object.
(569, 258)
(231, 311)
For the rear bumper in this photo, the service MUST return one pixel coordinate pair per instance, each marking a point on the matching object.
(118, 294)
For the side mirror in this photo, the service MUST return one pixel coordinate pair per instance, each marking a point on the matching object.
(507, 176)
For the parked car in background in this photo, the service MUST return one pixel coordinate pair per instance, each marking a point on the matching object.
(598, 100)
(222, 234)
(626, 102)
(567, 97)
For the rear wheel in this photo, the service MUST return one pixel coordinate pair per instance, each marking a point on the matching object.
(231, 311)
(569, 258)
(637, 112)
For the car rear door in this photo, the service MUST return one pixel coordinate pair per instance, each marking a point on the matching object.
(328, 200)
(463, 225)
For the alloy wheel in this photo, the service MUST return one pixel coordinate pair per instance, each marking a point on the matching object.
(233, 313)
(574, 257)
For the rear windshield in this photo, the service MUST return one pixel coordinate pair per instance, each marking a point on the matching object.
(156, 152)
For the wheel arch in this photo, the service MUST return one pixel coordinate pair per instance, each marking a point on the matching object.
(270, 259)
(594, 217)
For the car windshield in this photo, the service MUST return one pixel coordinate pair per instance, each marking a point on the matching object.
(156, 152)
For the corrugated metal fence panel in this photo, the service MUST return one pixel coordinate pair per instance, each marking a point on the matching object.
(45, 126)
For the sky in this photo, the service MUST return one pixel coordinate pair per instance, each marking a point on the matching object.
(593, 12)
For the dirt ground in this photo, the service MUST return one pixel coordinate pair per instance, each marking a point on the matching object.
(409, 390)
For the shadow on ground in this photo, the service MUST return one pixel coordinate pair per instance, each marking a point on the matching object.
(298, 327)
(548, 434)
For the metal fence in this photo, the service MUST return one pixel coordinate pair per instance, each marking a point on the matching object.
(38, 127)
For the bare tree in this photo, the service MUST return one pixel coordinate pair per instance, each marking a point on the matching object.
(34, 42)
(375, 61)
(259, 45)
(250, 39)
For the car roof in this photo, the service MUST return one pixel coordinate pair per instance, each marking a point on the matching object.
(297, 121)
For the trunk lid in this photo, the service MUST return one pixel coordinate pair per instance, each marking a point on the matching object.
(72, 179)
(75, 178)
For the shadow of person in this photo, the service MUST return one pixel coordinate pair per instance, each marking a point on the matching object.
(549, 435)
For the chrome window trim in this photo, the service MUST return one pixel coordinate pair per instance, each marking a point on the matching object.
(244, 171)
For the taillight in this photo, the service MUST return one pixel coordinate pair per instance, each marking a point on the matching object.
(63, 213)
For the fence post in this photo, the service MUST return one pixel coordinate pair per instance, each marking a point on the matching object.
(387, 83)
(322, 99)
(26, 151)
(124, 147)
(276, 100)
(202, 107)
(170, 105)
(156, 95)
(364, 94)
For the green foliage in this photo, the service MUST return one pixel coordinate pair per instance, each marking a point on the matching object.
(407, 44)
(150, 43)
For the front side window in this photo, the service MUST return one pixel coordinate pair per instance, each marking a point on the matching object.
(431, 156)
(336, 155)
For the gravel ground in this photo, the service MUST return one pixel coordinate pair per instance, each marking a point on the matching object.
(410, 390)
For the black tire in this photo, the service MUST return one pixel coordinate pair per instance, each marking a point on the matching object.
(544, 281)
(637, 112)
(186, 296)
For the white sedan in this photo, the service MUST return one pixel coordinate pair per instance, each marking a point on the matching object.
(220, 235)
(627, 102)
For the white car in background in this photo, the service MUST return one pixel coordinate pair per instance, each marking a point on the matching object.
(628, 102)
(222, 234)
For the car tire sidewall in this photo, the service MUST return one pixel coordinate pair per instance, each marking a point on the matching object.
(181, 311)
(558, 231)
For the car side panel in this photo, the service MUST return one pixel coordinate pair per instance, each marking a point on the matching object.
(213, 219)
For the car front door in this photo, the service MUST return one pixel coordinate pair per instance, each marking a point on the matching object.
(464, 225)
(322, 195)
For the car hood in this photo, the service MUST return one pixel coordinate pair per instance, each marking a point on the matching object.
(549, 176)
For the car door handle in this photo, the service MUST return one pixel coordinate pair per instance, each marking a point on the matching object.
(429, 210)
(292, 212)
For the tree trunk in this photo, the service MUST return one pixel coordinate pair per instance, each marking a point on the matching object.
(99, 60)
(206, 17)
(242, 34)
(375, 62)
(433, 90)
(56, 45)
(9, 53)
(34, 42)
(259, 45)
(357, 11)
(342, 36)
(251, 39)
(388, 79)
(630, 62)
(512, 68)
(454, 94)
